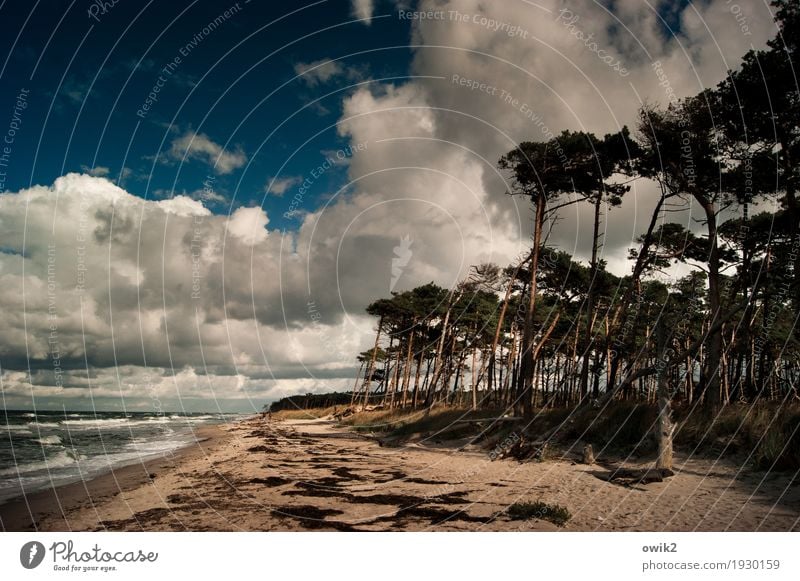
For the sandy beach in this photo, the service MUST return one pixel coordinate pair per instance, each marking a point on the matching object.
(304, 475)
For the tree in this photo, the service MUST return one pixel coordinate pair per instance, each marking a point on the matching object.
(681, 152)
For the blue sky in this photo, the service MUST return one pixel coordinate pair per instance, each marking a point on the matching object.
(88, 75)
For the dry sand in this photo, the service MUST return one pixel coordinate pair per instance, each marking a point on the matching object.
(314, 475)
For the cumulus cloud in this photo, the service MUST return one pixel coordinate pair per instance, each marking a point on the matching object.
(198, 146)
(542, 66)
(108, 294)
(249, 225)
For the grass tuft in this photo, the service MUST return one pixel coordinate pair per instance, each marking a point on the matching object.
(554, 513)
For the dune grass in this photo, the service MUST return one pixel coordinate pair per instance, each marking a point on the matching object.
(309, 414)
(450, 423)
(765, 436)
(768, 435)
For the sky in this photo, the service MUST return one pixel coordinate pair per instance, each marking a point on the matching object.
(200, 198)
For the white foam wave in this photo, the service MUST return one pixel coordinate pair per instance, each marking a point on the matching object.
(17, 429)
(49, 441)
(57, 461)
(110, 423)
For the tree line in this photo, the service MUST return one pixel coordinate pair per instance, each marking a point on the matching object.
(550, 330)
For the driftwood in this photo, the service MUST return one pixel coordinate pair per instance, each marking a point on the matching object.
(629, 476)
(349, 411)
(490, 420)
(525, 449)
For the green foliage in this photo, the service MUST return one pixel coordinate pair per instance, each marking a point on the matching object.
(309, 401)
(554, 513)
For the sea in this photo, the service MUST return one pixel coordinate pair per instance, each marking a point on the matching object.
(39, 450)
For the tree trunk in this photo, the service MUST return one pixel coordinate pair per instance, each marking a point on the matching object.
(395, 379)
(407, 371)
(474, 381)
(590, 292)
(417, 374)
(622, 306)
(525, 379)
(437, 364)
(371, 368)
(355, 384)
(714, 357)
(501, 320)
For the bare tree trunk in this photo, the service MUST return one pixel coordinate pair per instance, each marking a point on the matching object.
(395, 379)
(437, 365)
(638, 269)
(355, 385)
(572, 363)
(590, 292)
(371, 368)
(474, 382)
(501, 319)
(664, 425)
(407, 370)
(525, 379)
(713, 383)
(417, 374)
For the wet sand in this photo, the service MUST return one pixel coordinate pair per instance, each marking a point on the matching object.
(314, 475)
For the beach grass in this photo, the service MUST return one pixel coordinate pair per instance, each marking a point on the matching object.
(554, 513)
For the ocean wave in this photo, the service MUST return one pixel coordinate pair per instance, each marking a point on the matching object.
(49, 441)
(110, 423)
(191, 419)
(150, 447)
(59, 460)
(65, 465)
(16, 428)
(95, 423)
(42, 425)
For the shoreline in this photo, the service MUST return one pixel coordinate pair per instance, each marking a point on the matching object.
(22, 512)
(301, 475)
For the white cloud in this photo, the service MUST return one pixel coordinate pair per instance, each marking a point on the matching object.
(216, 299)
(363, 9)
(208, 196)
(562, 83)
(192, 145)
(280, 185)
(249, 225)
(99, 171)
(324, 70)
(183, 206)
